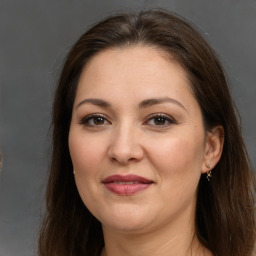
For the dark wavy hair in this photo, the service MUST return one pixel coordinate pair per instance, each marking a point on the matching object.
(225, 213)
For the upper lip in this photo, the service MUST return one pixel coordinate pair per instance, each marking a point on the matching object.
(126, 178)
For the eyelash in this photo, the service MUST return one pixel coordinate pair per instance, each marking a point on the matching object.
(85, 120)
(166, 118)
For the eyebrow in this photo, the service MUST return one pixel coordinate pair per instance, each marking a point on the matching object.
(144, 104)
(97, 102)
(154, 101)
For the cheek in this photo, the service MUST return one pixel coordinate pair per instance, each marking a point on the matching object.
(176, 152)
(87, 158)
(86, 152)
(178, 164)
(177, 159)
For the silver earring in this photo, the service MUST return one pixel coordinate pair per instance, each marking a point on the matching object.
(209, 173)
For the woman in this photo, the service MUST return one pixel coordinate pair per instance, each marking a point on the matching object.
(148, 157)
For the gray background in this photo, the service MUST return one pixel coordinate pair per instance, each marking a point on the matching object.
(34, 38)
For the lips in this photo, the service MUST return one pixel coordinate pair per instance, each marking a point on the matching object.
(126, 185)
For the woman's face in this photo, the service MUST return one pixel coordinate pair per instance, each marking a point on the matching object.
(137, 140)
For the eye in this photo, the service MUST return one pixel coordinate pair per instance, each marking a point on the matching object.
(160, 120)
(95, 120)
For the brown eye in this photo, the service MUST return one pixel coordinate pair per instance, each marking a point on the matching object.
(98, 120)
(94, 120)
(160, 120)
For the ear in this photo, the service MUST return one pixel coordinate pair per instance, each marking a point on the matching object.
(213, 148)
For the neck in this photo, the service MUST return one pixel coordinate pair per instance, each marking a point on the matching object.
(171, 241)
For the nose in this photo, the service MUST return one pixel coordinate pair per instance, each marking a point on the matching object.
(125, 145)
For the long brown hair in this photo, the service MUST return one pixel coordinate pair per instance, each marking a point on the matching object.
(225, 214)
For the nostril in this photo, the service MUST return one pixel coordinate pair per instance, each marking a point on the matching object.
(122, 160)
(125, 147)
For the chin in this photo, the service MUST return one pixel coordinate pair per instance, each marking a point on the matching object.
(127, 221)
(128, 227)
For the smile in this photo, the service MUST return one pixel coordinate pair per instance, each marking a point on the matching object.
(126, 185)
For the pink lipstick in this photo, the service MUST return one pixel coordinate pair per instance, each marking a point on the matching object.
(126, 185)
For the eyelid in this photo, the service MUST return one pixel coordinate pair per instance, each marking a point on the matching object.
(169, 118)
(85, 119)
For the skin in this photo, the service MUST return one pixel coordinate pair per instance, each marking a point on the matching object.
(127, 138)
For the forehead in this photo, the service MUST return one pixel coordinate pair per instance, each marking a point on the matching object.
(143, 65)
(125, 77)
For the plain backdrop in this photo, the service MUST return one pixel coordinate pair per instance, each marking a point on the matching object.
(34, 39)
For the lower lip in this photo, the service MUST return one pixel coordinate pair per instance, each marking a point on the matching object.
(126, 189)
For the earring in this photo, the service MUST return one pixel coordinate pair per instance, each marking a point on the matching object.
(74, 172)
(209, 173)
